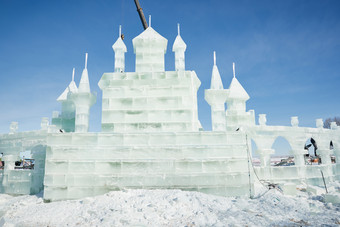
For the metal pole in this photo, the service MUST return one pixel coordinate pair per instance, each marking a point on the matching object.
(141, 14)
(323, 178)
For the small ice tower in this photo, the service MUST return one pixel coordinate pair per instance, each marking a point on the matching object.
(83, 100)
(120, 49)
(150, 48)
(216, 97)
(179, 48)
(66, 120)
(236, 105)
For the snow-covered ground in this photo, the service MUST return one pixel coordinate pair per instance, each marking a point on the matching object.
(172, 208)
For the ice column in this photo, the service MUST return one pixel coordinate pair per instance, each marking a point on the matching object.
(322, 142)
(179, 48)
(336, 141)
(216, 97)
(120, 49)
(264, 145)
(83, 100)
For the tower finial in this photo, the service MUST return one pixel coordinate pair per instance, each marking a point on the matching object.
(178, 29)
(73, 74)
(234, 69)
(214, 57)
(120, 30)
(86, 60)
(149, 20)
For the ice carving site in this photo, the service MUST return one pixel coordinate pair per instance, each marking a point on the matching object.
(152, 138)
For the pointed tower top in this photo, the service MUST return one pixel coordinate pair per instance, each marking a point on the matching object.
(234, 69)
(216, 81)
(73, 74)
(86, 55)
(119, 44)
(179, 44)
(84, 85)
(149, 20)
(71, 88)
(236, 91)
(178, 29)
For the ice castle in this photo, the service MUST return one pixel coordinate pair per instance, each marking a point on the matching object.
(151, 136)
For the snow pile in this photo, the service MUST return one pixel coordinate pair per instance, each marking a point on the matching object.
(169, 208)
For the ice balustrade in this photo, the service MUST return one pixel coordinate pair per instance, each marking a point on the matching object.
(264, 137)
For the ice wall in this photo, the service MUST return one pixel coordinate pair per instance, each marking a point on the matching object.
(22, 181)
(151, 101)
(301, 172)
(80, 165)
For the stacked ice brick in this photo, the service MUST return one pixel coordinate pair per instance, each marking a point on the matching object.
(22, 181)
(152, 138)
(150, 99)
(80, 165)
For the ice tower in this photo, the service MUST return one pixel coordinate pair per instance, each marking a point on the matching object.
(179, 48)
(216, 97)
(236, 115)
(83, 100)
(120, 49)
(66, 120)
(150, 99)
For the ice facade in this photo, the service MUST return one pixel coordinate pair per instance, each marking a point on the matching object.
(151, 136)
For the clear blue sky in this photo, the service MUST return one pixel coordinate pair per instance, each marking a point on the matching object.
(287, 52)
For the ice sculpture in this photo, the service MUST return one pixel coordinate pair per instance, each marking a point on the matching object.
(151, 137)
(216, 96)
(83, 99)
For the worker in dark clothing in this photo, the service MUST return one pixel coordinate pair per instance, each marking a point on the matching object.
(314, 144)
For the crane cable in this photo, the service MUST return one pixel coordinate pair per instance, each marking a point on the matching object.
(122, 16)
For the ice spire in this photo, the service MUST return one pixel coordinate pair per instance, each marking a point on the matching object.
(178, 30)
(83, 100)
(73, 74)
(120, 49)
(179, 48)
(71, 88)
(84, 85)
(236, 89)
(216, 82)
(86, 55)
(149, 20)
(234, 69)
